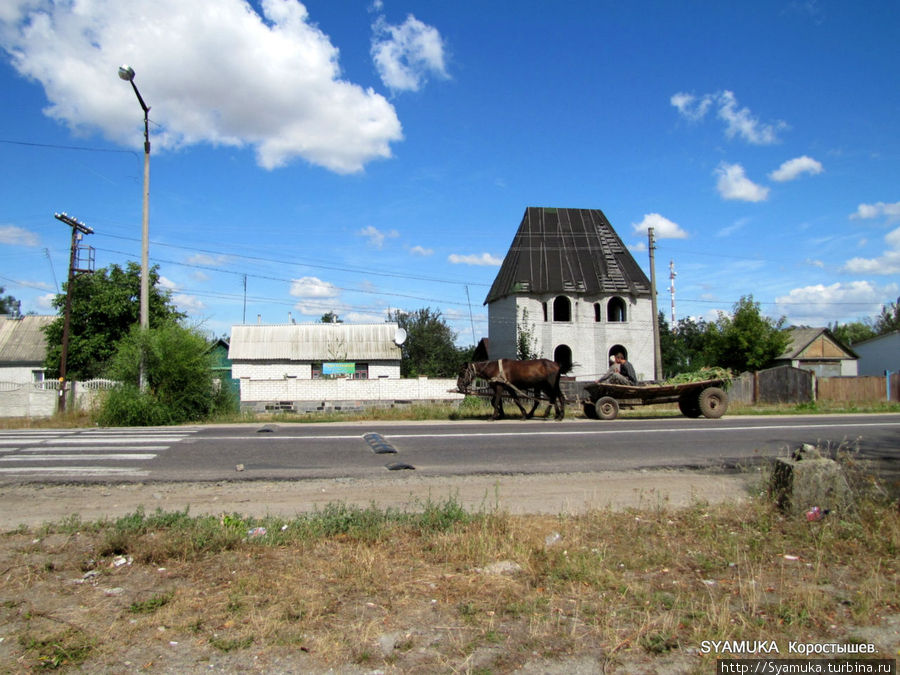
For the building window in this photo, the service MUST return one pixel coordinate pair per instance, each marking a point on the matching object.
(316, 370)
(544, 307)
(615, 310)
(598, 312)
(361, 372)
(563, 356)
(562, 309)
(37, 376)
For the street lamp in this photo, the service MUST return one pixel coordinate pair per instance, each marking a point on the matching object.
(127, 73)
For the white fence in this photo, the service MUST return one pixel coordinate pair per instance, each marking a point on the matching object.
(342, 394)
(41, 399)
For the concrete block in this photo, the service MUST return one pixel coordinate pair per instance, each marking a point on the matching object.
(797, 485)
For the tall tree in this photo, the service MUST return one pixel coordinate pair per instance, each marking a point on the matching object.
(105, 305)
(852, 333)
(8, 304)
(746, 340)
(683, 347)
(889, 320)
(331, 317)
(429, 348)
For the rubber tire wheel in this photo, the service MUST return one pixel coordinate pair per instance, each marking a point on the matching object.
(590, 411)
(713, 402)
(689, 406)
(607, 408)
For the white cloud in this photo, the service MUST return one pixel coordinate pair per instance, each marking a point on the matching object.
(793, 168)
(887, 263)
(877, 210)
(421, 251)
(207, 260)
(313, 287)
(375, 236)
(738, 121)
(405, 55)
(485, 259)
(16, 236)
(213, 71)
(734, 184)
(663, 228)
(45, 301)
(819, 305)
(734, 227)
(189, 303)
(167, 284)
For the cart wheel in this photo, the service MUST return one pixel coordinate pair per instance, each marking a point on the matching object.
(590, 411)
(713, 402)
(689, 405)
(607, 408)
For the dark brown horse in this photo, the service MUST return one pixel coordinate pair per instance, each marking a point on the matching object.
(509, 377)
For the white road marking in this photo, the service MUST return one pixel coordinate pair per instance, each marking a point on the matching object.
(113, 456)
(80, 470)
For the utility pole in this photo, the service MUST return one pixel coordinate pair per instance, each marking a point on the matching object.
(78, 231)
(657, 356)
(672, 289)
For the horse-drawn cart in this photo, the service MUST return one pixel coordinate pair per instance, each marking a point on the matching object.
(602, 400)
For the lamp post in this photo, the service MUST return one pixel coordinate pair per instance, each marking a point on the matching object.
(127, 73)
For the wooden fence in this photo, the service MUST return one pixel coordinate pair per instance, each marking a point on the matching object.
(786, 384)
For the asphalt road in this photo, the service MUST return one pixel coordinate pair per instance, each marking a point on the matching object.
(362, 450)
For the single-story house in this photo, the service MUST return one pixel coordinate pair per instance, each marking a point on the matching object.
(818, 350)
(23, 348)
(879, 354)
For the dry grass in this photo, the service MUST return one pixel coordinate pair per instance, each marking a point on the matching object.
(414, 591)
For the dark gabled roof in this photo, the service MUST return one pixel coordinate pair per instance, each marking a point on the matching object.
(567, 251)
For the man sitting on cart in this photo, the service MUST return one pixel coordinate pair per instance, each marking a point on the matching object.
(621, 373)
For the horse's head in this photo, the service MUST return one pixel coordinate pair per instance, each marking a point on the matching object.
(466, 376)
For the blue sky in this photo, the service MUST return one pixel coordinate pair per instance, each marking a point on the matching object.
(362, 157)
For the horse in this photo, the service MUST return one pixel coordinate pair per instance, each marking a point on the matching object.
(514, 377)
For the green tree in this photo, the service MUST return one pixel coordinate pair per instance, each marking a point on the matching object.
(746, 340)
(683, 347)
(8, 304)
(526, 342)
(330, 317)
(105, 306)
(889, 320)
(181, 384)
(853, 332)
(429, 348)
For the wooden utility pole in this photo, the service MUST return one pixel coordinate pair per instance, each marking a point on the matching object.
(78, 231)
(657, 356)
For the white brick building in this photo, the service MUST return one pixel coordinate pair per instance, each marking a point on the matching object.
(324, 366)
(569, 284)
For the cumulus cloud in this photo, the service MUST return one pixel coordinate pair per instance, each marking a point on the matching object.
(484, 260)
(738, 121)
(167, 284)
(313, 287)
(17, 236)
(188, 303)
(407, 54)
(663, 228)
(794, 168)
(819, 305)
(887, 263)
(877, 210)
(45, 301)
(421, 251)
(271, 77)
(734, 184)
(376, 237)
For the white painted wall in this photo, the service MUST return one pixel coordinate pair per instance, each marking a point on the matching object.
(282, 370)
(589, 340)
(382, 389)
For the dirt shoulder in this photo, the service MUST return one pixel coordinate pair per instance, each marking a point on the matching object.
(35, 504)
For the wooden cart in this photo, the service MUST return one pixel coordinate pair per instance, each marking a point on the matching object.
(602, 400)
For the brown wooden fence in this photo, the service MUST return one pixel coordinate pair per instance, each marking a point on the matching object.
(786, 384)
(866, 389)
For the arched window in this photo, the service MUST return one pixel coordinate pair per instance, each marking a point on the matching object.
(562, 309)
(598, 312)
(563, 356)
(615, 310)
(618, 349)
